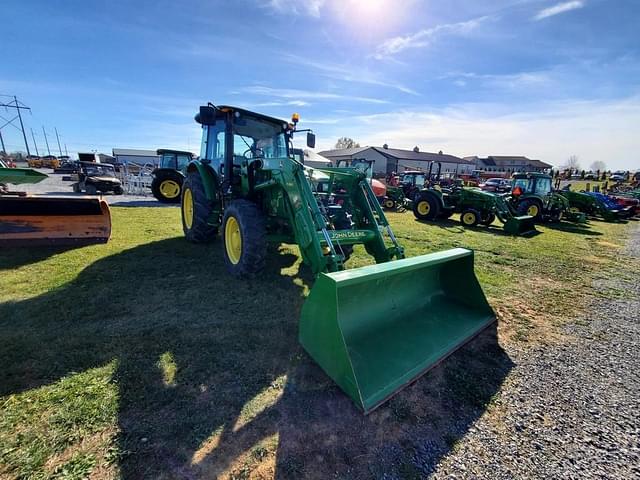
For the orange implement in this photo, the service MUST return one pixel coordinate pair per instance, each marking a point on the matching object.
(43, 220)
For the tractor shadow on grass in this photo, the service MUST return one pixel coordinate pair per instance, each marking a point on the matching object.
(579, 228)
(453, 226)
(211, 378)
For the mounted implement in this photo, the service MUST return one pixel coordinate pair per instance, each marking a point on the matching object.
(27, 220)
(372, 329)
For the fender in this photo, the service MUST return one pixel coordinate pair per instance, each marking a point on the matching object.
(209, 177)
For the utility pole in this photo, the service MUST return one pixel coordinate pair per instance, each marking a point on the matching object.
(65, 150)
(18, 106)
(58, 137)
(34, 142)
(2, 142)
(46, 141)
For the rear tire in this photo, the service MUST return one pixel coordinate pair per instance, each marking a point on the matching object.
(244, 237)
(426, 207)
(531, 208)
(470, 217)
(167, 187)
(196, 211)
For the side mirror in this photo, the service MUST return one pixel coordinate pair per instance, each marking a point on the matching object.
(206, 116)
(311, 140)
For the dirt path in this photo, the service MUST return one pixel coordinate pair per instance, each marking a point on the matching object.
(567, 411)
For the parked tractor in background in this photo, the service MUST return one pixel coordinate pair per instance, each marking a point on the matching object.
(532, 194)
(474, 206)
(372, 329)
(169, 176)
(585, 204)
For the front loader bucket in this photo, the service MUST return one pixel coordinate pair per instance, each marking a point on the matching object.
(43, 220)
(375, 329)
(524, 225)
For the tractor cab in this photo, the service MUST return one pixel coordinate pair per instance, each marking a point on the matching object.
(174, 159)
(532, 194)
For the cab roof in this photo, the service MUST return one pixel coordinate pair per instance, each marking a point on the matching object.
(243, 111)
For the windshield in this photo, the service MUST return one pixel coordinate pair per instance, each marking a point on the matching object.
(523, 183)
(413, 179)
(543, 186)
(259, 138)
(168, 160)
(96, 170)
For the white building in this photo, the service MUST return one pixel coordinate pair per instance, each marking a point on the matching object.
(124, 156)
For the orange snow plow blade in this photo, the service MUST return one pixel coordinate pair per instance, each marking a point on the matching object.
(43, 220)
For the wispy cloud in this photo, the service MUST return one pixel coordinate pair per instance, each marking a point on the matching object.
(303, 95)
(308, 7)
(349, 73)
(425, 37)
(558, 8)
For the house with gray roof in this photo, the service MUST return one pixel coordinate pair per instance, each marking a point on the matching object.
(387, 160)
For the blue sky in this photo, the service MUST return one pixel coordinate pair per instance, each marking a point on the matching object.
(546, 79)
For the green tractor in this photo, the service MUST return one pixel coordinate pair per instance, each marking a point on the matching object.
(581, 203)
(474, 206)
(373, 329)
(532, 194)
(169, 176)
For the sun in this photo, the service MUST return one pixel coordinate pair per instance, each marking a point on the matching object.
(369, 8)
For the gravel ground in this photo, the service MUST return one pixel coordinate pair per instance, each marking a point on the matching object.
(568, 411)
(54, 185)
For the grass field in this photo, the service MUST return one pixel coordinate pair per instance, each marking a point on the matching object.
(143, 358)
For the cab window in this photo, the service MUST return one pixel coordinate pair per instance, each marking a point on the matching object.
(213, 143)
(168, 160)
(543, 186)
(183, 161)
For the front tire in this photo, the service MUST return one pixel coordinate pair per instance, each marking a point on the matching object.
(489, 219)
(196, 211)
(244, 237)
(389, 204)
(470, 217)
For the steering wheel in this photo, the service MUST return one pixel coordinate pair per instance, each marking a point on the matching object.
(255, 153)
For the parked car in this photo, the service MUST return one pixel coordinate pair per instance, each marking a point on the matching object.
(68, 167)
(618, 176)
(97, 177)
(590, 176)
(498, 185)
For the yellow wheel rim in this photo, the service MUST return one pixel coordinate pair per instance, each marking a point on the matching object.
(574, 210)
(169, 189)
(533, 210)
(388, 203)
(187, 208)
(233, 240)
(468, 218)
(423, 208)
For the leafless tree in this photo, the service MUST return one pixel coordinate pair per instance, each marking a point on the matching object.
(346, 142)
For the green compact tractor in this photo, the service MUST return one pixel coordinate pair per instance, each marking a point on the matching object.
(372, 329)
(474, 206)
(581, 203)
(169, 176)
(532, 194)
